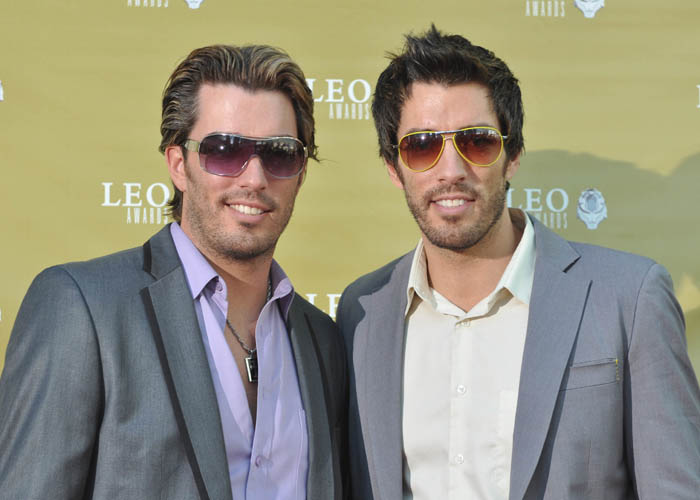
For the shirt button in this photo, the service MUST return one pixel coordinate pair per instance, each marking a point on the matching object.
(461, 390)
(258, 461)
(459, 459)
(219, 287)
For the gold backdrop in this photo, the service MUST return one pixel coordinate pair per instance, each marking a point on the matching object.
(612, 104)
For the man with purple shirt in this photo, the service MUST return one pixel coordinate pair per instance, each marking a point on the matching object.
(189, 367)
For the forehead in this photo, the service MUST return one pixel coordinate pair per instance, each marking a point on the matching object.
(434, 106)
(233, 109)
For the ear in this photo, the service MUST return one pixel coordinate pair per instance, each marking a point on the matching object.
(393, 174)
(512, 167)
(175, 159)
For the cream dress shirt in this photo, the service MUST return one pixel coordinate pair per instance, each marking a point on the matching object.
(460, 386)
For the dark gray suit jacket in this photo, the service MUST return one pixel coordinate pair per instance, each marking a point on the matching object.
(586, 426)
(106, 391)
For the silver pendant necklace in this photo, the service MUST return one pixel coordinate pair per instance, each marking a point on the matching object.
(251, 361)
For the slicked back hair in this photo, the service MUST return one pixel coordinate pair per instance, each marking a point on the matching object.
(251, 67)
(434, 57)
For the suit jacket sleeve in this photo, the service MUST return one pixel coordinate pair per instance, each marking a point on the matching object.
(51, 394)
(662, 397)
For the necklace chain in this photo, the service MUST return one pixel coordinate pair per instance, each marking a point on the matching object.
(250, 350)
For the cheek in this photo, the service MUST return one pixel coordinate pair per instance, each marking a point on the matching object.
(205, 195)
(413, 189)
(285, 193)
(493, 176)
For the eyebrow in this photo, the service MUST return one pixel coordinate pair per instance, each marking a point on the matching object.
(239, 134)
(412, 130)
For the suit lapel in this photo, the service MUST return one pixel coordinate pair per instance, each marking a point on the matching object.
(314, 395)
(185, 366)
(379, 379)
(556, 308)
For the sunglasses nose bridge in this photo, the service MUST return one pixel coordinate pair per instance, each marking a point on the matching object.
(250, 161)
(252, 174)
(450, 137)
(453, 140)
(449, 166)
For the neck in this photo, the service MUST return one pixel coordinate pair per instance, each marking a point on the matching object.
(246, 281)
(246, 284)
(466, 276)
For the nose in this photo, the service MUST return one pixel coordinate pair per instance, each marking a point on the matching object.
(253, 176)
(451, 167)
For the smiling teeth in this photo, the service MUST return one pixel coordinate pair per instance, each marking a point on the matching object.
(245, 209)
(450, 203)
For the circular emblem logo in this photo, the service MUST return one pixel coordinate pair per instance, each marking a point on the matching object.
(590, 7)
(591, 208)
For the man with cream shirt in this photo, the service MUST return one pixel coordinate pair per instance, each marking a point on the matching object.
(497, 360)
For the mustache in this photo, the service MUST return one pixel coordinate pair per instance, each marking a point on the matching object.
(459, 187)
(245, 195)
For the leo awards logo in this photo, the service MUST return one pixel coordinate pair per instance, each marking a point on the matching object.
(557, 8)
(344, 101)
(551, 206)
(159, 4)
(545, 8)
(141, 204)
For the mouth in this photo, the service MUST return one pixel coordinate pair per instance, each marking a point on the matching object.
(247, 209)
(249, 212)
(451, 202)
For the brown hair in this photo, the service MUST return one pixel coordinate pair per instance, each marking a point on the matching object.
(252, 67)
(449, 60)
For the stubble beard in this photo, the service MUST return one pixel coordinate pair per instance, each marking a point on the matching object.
(450, 234)
(240, 245)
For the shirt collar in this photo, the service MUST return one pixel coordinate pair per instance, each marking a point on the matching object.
(520, 272)
(418, 279)
(517, 278)
(282, 288)
(200, 273)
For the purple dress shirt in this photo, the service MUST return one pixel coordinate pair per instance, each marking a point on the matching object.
(269, 460)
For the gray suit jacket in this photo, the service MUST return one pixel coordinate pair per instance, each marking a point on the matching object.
(586, 427)
(106, 391)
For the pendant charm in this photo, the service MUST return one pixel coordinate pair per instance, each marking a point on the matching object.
(251, 366)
